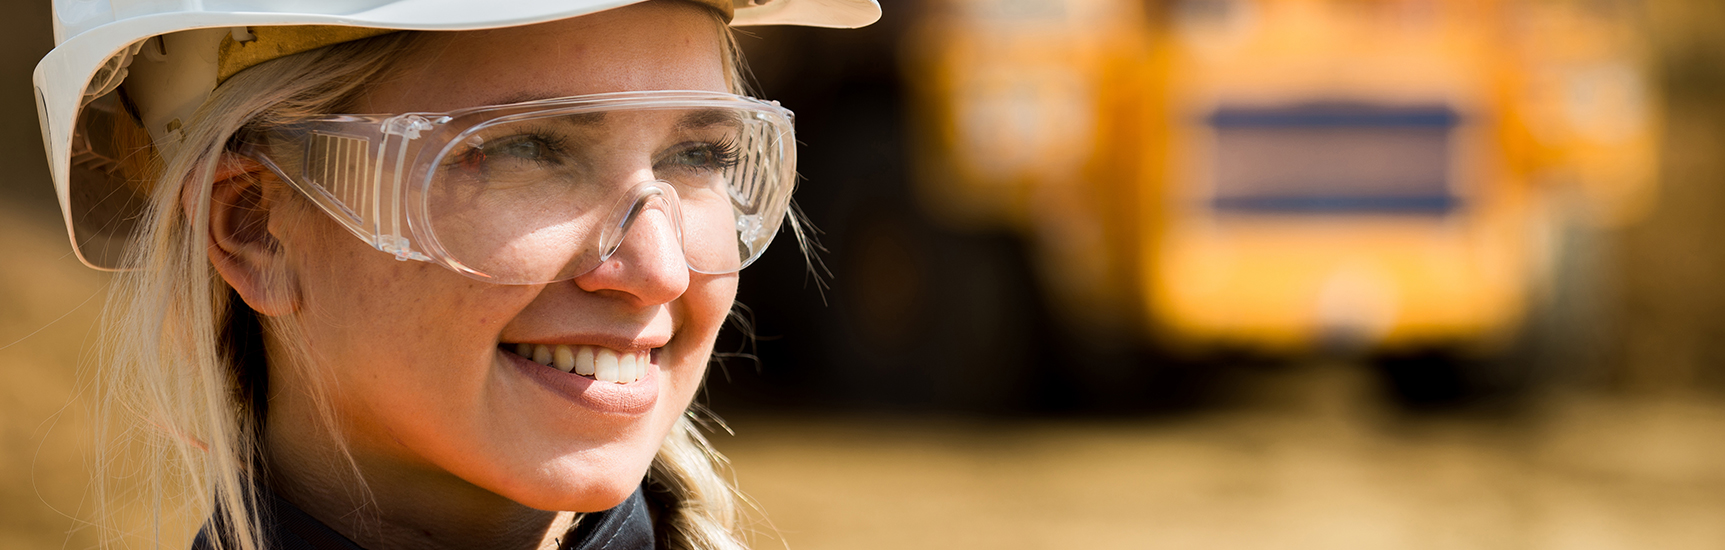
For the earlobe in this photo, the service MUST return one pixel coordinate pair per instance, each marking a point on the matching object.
(240, 243)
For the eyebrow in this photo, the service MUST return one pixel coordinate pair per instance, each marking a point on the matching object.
(697, 120)
(521, 97)
(706, 118)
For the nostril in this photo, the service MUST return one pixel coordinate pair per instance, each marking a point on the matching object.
(646, 264)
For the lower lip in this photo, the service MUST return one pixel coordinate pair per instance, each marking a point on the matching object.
(634, 398)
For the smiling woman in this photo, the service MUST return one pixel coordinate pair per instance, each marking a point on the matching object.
(551, 202)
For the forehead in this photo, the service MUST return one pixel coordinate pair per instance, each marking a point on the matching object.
(648, 46)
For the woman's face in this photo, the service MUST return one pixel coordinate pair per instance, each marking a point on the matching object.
(417, 358)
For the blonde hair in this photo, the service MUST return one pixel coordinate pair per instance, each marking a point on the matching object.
(184, 368)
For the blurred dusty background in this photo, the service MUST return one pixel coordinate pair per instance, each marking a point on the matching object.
(1303, 453)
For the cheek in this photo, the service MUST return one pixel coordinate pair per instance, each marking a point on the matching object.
(701, 313)
(368, 318)
(709, 299)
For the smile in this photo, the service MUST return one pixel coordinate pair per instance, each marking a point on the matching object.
(596, 362)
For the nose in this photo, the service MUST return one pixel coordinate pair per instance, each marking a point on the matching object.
(648, 267)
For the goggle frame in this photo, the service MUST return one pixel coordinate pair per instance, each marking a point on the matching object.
(392, 159)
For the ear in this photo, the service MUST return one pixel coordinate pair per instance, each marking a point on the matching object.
(240, 242)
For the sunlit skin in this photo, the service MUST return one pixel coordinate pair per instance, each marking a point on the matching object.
(458, 448)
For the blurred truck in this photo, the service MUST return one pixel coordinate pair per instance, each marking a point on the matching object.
(1409, 179)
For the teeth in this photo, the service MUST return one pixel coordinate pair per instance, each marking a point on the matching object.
(584, 361)
(605, 366)
(601, 363)
(627, 368)
(565, 358)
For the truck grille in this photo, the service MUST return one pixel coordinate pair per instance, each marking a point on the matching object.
(1334, 159)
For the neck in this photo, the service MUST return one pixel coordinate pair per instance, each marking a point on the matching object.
(395, 504)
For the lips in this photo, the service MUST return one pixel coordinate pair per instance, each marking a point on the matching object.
(597, 377)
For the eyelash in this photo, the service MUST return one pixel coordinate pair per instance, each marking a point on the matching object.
(554, 145)
(727, 152)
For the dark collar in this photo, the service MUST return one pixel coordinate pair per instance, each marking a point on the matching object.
(629, 526)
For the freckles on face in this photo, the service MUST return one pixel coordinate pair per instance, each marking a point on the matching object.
(417, 357)
(392, 335)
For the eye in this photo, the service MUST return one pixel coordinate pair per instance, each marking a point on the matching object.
(521, 147)
(525, 147)
(705, 155)
(511, 154)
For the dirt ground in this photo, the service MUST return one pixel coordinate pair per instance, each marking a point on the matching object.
(1306, 459)
(48, 308)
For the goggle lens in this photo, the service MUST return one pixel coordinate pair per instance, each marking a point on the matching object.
(542, 193)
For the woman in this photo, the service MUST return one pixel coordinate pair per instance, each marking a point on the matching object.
(551, 200)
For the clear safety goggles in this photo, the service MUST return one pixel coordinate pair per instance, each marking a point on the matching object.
(545, 191)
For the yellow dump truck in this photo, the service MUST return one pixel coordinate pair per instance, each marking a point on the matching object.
(1286, 176)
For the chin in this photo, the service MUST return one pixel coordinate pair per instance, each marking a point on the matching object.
(595, 497)
(581, 485)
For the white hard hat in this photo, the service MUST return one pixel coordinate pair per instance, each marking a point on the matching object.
(99, 43)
